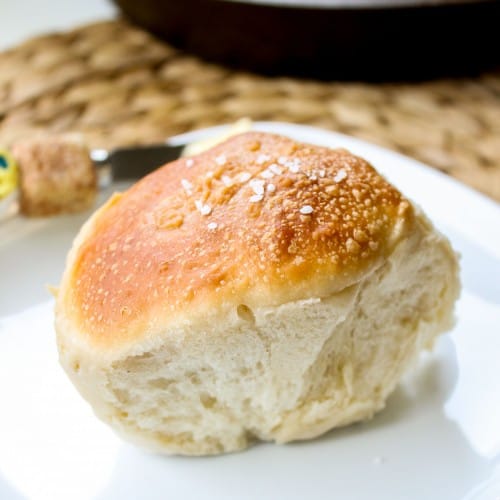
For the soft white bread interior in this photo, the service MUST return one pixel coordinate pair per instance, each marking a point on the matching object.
(204, 309)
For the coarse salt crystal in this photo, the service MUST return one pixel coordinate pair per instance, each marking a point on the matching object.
(306, 210)
(271, 188)
(267, 174)
(226, 180)
(321, 173)
(340, 175)
(257, 186)
(262, 159)
(282, 160)
(220, 160)
(189, 162)
(293, 165)
(212, 226)
(244, 176)
(188, 187)
(256, 198)
(205, 210)
(275, 169)
(202, 208)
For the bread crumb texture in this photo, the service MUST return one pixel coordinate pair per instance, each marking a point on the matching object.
(56, 175)
(265, 289)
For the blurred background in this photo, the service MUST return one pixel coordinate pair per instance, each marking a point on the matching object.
(417, 76)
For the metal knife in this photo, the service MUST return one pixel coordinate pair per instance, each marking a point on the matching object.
(133, 162)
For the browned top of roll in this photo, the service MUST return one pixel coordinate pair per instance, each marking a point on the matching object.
(258, 220)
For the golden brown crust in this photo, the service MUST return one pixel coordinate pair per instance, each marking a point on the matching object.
(259, 219)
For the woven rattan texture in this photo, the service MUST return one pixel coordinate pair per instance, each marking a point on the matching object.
(117, 85)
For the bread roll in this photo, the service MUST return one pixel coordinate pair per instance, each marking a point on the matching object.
(56, 175)
(262, 290)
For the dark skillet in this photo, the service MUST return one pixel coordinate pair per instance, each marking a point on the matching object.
(339, 39)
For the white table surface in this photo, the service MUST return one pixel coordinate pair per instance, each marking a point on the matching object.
(22, 19)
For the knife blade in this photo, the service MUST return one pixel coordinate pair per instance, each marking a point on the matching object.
(128, 163)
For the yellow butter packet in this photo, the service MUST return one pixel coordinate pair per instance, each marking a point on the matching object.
(8, 173)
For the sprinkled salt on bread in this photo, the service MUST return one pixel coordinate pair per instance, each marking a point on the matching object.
(264, 289)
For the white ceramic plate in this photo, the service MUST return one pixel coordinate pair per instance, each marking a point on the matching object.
(438, 438)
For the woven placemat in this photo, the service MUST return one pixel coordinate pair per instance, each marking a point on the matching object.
(118, 85)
